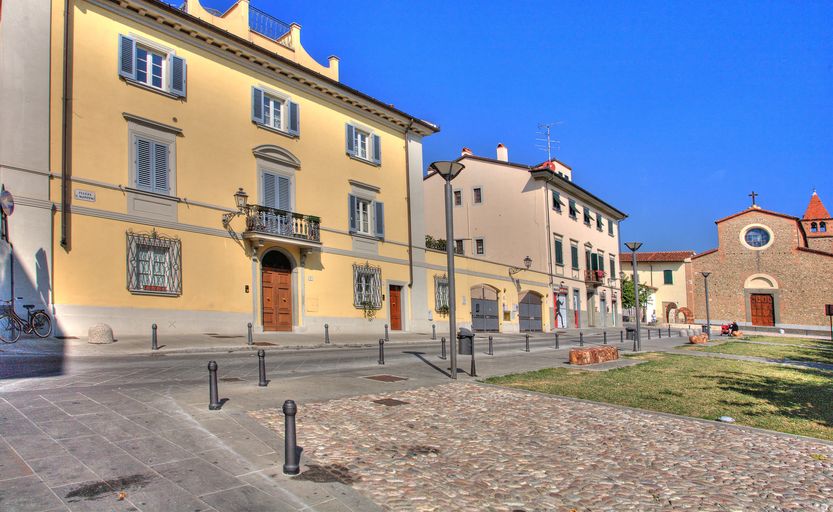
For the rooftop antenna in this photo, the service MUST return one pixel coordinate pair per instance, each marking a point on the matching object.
(545, 141)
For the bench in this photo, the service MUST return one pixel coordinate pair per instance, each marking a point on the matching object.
(593, 355)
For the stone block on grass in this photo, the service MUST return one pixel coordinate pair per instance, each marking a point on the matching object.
(593, 355)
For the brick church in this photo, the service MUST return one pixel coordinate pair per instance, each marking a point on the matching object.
(770, 270)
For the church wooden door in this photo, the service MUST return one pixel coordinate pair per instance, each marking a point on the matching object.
(763, 310)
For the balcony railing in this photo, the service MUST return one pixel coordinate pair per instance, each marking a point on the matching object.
(594, 277)
(271, 221)
(270, 27)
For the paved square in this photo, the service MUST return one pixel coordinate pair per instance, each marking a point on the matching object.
(475, 447)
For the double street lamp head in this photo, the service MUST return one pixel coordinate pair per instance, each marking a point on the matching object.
(705, 274)
(633, 246)
(448, 170)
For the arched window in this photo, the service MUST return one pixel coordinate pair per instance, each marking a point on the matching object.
(823, 227)
(813, 227)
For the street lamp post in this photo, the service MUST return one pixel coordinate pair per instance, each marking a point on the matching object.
(708, 316)
(449, 171)
(634, 246)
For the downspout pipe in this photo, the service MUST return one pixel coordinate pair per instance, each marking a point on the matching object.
(66, 125)
(408, 201)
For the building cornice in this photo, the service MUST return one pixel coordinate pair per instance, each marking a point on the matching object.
(172, 21)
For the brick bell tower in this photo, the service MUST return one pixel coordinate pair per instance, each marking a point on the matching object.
(818, 225)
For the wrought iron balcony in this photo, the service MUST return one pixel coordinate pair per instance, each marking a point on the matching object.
(281, 223)
(594, 277)
(270, 27)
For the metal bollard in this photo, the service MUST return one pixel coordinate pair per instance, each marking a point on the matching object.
(214, 399)
(442, 354)
(557, 344)
(381, 351)
(491, 347)
(327, 333)
(290, 447)
(659, 332)
(621, 336)
(153, 343)
(605, 336)
(386, 333)
(649, 333)
(433, 331)
(580, 339)
(527, 343)
(669, 330)
(261, 367)
(473, 371)
(251, 341)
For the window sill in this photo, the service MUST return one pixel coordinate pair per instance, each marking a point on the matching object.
(150, 88)
(275, 130)
(366, 236)
(152, 194)
(364, 160)
(158, 294)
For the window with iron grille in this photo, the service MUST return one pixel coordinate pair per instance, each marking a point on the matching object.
(367, 286)
(440, 293)
(154, 264)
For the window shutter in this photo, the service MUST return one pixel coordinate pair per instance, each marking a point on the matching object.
(177, 75)
(351, 143)
(283, 193)
(257, 105)
(269, 190)
(351, 212)
(144, 165)
(294, 119)
(127, 57)
(160, 167)
(559, 252)
(377, 150)
(380, 219)
(594, 261)
(601, 262)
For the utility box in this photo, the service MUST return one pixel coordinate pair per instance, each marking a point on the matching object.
(630, 333)
(465, 341)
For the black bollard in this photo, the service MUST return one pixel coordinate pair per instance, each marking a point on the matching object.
(527, 343)
(669, 330)
(153, 343)
(381, 351)
(251, 341)
(473, 372)
(386, 333)
(580, 339)
(327, 333)
(605, 336)
(433, 331)
(621, 336)
(649, 333)
(659, 332)
(261, 367)
(442, 354)
(557, 344)
(290, 448)
(214, 399)
(491, 347)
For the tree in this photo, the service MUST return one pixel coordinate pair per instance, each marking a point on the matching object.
(627, 293)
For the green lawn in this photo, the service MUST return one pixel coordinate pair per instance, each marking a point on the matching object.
(775, 352)
(791, 341)
(791, 400)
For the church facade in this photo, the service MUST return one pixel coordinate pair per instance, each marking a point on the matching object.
(770, 270)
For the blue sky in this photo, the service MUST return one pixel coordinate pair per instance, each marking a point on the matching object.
(671, 111)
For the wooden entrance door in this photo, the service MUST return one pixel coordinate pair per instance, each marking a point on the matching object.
(395, 308)
(277, 300)
(763, 309)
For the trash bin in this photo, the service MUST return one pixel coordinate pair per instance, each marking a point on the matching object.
(704, 330)
(466, 341)
(630, 333)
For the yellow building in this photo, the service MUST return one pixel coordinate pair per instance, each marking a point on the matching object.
(206, 172)
(669, 276)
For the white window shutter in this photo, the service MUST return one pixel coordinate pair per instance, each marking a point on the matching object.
(294, 118)
(177, 75)
(377, 150)
(257, 105)
(127, 57)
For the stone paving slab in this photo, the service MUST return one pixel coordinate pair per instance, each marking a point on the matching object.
(475, 447)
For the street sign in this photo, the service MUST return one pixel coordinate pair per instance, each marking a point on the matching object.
(7, 202)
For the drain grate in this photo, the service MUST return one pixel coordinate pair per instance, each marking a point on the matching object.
(390, 402)
(385, 378)
(225, 336)
(263, 344)
(66, 337)
(231, 379)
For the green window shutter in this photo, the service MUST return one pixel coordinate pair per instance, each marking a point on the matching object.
(574, 256)
(294, 118)
(127, 57)
(559, 252)
(668, 276)
(601, 260)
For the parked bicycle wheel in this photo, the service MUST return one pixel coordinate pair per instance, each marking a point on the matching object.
(41, 324)
(9, 328)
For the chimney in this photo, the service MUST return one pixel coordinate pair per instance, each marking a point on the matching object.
(502, 153)
(466, 152)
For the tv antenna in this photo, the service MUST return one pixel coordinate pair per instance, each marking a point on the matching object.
(545, 141)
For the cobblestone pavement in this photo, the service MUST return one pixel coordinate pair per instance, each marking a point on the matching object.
(474, 447)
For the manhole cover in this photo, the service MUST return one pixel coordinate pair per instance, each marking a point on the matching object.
(386, 378)
(263, 344)
(389, 402)
(230, 379)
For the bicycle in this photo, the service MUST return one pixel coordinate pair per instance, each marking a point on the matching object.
(12, 325)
